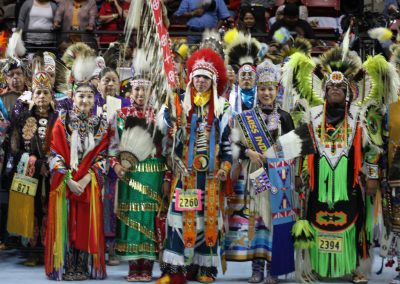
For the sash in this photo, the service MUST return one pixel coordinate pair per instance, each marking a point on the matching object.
(254, 130)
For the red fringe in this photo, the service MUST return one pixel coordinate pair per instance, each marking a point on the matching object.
(357, 155)
(310, 165)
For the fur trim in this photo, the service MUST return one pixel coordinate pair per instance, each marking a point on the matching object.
(235, 138)
(235, 135)
(235, 151)
(291, 145)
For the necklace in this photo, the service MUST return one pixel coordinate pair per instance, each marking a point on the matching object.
(83, 123)
(42, 128)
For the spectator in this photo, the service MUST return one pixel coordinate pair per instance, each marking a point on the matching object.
(202, 14)
(303, 12)
(15, 78)
(248, 21)
(7, 12)
(37, 15)
(112, 16)
(172, 6)
(391, 7)
(77, 15)
(292, 22)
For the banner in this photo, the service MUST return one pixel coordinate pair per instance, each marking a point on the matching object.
(164, 41)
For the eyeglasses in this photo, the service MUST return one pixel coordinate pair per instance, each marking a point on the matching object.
(247, 75)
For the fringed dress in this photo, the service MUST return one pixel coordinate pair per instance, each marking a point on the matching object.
(250, 237)
(139, 192)
(75, 230)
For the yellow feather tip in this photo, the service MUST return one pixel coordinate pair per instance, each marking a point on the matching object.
(230, 36)
(183, 50)
(387, 34)
(381, 34)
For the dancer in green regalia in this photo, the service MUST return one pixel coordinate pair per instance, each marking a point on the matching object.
(136, 157)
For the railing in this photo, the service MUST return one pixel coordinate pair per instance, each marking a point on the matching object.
(325, 36)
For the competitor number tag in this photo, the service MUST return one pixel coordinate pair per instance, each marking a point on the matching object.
(24, 184)
(330, 243)
(188, 200)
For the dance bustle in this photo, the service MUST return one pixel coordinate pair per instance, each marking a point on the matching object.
(136, 145)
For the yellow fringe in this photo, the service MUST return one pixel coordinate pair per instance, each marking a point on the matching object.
(149, 168)
(134, 248)
(21, 214)
(143, 189)
(59, 242)
(93, 207)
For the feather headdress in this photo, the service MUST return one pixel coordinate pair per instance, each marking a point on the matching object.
(141, 18)
(212, 39)
(82, 68)
(141, 69)
(112, 56)
(14, 52)
(76, 50)
(297, 45)
(208, 63)
(243, 50)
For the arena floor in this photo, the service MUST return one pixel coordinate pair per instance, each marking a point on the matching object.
(12, 271)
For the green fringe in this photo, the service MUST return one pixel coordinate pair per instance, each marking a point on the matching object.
(335, 264)
(369, 218)
(332, 186)
(303, 235)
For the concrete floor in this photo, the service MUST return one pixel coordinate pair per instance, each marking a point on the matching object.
(12, 271)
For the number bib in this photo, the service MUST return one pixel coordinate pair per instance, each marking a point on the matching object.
(188, 200)
(24, 184)
(330, 243)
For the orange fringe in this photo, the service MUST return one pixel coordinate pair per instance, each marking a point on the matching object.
(211, 212)
(178, 107)
(96, 246)
(189, 220)
(310, 166)
(357, 155)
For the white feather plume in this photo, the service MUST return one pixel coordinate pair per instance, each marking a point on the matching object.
(15, 47)
(142, 61)
(345, 44)
(134, 17)
(137, 141)
(83, 68)
(287, 83)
